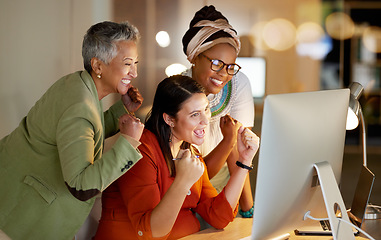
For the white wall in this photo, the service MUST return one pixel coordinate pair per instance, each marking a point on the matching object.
(40, 42)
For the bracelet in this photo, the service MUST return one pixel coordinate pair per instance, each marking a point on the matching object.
(239, 164)
(247, 214)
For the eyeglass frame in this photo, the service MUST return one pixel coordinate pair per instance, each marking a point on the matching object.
(223, 66)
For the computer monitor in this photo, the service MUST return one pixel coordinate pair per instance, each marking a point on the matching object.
(298, 131)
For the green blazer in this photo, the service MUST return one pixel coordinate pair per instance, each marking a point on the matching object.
(52, 165)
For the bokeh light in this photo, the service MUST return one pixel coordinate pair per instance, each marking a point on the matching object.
(372, 39)
(163, 39)
(279, 34)
(339, 26)
(175, 68)
(309, 32)
(257, 35)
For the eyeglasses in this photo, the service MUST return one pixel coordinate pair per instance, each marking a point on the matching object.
(217, 65)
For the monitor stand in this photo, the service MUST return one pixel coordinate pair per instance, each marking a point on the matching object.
(333, 201)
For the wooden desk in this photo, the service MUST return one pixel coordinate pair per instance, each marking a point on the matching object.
(241, 228)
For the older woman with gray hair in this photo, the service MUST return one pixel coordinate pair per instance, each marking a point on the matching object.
(53, 165)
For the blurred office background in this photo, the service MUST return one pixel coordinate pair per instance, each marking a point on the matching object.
(293, 45)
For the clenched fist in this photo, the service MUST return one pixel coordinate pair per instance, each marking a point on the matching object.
(131, 126)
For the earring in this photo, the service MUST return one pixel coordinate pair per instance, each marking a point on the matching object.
(170, 137)
(99, 76)
(172, 125)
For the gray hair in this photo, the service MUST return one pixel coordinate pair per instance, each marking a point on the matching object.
(101, 38)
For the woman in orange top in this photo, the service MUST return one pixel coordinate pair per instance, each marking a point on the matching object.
(160, 196)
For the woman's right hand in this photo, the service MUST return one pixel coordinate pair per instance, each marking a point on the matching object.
(188, 168)
(131, 126)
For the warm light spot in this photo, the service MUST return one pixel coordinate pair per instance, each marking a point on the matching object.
(372, 39)
(309, 32)
(339, 26)
(279, 34)
(175, 68)
(162, 38)
(257, 36)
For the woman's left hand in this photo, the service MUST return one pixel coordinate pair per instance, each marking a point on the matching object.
(248, 144)
(132, 100)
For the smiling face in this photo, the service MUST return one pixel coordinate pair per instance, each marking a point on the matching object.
(192, 119)
(121, 70)
(213, 81)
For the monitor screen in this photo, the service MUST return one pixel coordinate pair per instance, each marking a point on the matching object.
(298, 130)
(255, 69)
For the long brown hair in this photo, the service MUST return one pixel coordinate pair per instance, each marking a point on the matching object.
(170, 94)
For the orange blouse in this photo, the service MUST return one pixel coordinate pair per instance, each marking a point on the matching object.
(127, 204)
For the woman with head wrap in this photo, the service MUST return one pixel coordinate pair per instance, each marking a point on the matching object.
(212, 46)
(53, 165)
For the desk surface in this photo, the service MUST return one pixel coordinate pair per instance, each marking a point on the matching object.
(241, 228)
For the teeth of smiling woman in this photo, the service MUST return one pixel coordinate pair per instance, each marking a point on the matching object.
(216, 81)
(125, 81)
(199, 133)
